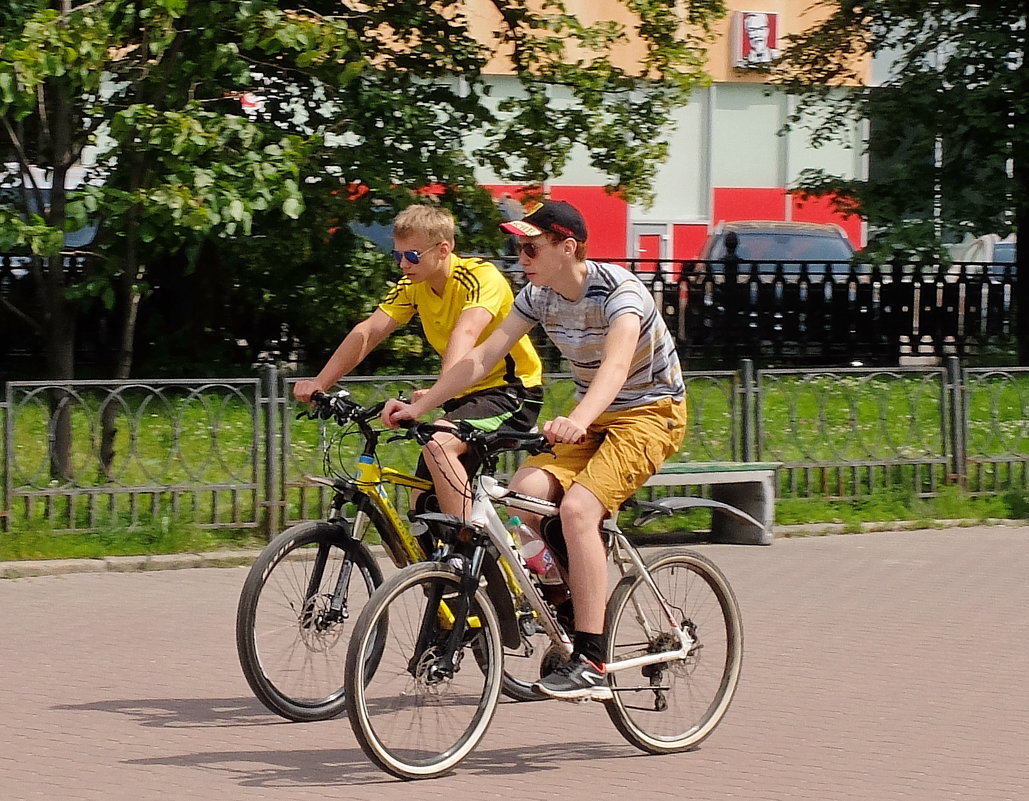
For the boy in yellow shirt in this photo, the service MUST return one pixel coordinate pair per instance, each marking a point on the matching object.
(460, 302)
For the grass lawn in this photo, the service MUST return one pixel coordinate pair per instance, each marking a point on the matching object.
(888, 428)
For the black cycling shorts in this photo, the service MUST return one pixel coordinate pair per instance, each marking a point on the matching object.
(515, 407)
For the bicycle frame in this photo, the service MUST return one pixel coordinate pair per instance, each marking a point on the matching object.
(370, 482)
(485, 518)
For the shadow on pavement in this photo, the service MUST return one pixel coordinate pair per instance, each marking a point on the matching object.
(184, 712)
(332, 766)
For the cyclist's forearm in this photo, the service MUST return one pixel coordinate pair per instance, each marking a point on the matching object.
(362, 340)
(474, 366)
(615, 362)
(451, 383)
(606, 384)
(465, 336)
(348, 355)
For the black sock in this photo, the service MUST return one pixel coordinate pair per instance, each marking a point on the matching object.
(590, 646)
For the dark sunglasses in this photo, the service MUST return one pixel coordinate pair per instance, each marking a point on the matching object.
(412, 256)
(530, 249)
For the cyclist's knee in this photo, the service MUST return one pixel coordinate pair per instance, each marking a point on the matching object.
(581, 510)
(536, 482)
(444, 447)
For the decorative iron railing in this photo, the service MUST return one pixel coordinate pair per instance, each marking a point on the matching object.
(230, 453)
(776, 313)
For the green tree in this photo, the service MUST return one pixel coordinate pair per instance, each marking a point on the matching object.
(373, 98)
(949, 139)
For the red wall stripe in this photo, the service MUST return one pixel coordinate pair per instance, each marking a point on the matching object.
(607, 216)
(820, 210)
(741, 203)
(687, 240)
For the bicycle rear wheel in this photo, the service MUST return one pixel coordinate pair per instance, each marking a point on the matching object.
(294, 615)
(415, 715)
(673, 706)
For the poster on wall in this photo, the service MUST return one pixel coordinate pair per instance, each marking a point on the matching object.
(755, 39)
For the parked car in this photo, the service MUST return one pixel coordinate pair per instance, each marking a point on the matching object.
(73, 240)
(990, 249)
(792, 243)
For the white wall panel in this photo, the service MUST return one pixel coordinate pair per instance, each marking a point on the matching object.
(745, 147)
(682, 181)
(842, 158)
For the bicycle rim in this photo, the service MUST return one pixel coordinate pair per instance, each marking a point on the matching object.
(410, 721)
(673, 706)
(290, 639)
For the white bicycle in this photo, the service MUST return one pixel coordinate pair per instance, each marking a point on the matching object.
(425, 662)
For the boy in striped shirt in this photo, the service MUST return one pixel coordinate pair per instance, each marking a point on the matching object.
(629, 413)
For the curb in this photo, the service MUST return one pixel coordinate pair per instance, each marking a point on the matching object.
(127, 564)
(237, 558)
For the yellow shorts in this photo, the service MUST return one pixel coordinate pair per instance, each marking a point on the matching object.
(622, 449)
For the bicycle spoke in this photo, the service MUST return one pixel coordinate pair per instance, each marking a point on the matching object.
(673, 705)
(419, 711)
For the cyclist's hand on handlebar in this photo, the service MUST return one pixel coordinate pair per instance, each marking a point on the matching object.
(417, 394)
(563, 429)
(303, 390)
(394, 411)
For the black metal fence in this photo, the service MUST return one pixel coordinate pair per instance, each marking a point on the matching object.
(230, 453)
(774, 312)
(789, 313)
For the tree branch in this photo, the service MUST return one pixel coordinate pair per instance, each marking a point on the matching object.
(23, 160)
(67, 10)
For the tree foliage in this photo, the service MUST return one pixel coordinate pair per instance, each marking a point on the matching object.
(948, 134)
(363, 104)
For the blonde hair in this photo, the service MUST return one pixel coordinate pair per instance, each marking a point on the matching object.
(433, 222)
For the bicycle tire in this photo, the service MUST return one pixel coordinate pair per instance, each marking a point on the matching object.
(290, 659)
(410, 720)
(687, 698)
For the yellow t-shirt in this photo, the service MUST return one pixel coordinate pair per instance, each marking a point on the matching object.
(472, 284)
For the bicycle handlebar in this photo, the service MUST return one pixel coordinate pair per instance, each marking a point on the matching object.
(340, 407)
(485, 442)
(343, 409)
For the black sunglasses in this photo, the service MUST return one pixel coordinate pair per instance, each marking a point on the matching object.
(412, 256)
(530, 249)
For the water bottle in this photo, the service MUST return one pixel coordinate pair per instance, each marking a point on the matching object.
(538, 557)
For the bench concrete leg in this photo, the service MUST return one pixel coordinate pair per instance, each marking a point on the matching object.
(756, 498)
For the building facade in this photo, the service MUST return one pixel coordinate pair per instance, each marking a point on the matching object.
(729, 159)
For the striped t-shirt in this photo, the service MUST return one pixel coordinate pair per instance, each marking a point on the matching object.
(578, 329)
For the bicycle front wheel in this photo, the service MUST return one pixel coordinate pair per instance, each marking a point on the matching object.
(672, 706)
(415, 712)
(294, 615)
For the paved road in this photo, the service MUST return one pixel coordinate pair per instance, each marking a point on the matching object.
(878, 666)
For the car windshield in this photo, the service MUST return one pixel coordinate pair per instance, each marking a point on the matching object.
(74, 240)
(794, 247)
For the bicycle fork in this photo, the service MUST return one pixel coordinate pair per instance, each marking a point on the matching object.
(337, 609)
(435, 658)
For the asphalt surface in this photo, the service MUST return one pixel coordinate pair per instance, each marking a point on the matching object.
(877, 666)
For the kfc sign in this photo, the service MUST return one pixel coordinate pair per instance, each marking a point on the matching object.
(755, 39)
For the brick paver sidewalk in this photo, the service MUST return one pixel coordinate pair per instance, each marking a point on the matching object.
(877, 666)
